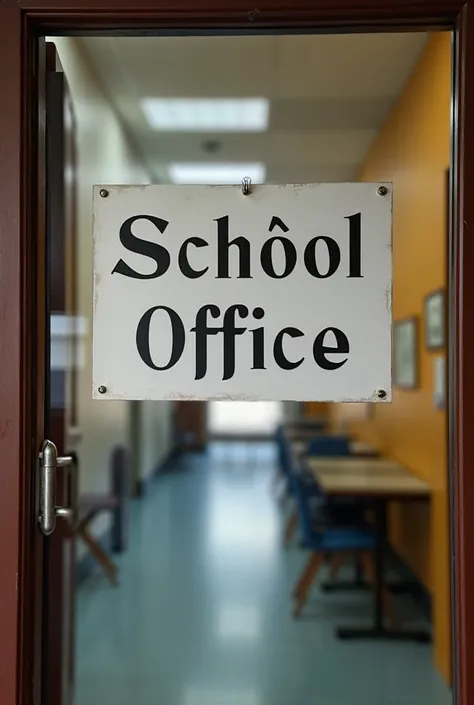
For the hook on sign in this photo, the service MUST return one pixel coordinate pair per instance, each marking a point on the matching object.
(246, 185)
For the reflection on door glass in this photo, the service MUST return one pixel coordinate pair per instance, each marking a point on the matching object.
(245, 560)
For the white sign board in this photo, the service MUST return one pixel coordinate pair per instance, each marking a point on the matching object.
(202, 292)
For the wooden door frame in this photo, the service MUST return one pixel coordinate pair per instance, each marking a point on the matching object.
(23, 24)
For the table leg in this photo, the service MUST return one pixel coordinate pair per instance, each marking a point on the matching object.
(380, 539)
(379, 631)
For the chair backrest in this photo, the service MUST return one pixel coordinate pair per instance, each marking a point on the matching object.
(120, 472)
(284, 452)
(121, 475)
(329, 446)
(279, 438)
(302, 498)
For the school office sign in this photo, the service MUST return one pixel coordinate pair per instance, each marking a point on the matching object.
(202, 292)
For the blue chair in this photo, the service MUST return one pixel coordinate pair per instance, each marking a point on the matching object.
(341, 511)
(289, 472)
(320, 445)
(324, 541)
(329, 446)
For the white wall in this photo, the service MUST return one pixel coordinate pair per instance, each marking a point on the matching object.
(104, 156)
(155, 436)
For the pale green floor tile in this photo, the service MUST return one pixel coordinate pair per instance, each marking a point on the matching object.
(201, 616)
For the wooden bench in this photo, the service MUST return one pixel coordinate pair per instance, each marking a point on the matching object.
(116, 503)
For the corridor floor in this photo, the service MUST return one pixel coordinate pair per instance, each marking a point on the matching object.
(201, 616)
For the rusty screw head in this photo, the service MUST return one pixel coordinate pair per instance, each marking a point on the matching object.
(382, 190)
(381, 393)
(103, 193)
(102, 389)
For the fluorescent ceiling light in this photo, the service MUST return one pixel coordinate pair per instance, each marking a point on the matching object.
(205, 173)
(207, 114)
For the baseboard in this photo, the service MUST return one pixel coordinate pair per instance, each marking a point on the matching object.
(242, 437)
(87, 565)
(411, 583)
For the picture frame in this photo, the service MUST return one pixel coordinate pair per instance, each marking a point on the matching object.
(405, 353)
(435, 320)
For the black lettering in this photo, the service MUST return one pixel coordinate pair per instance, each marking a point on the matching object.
(177, 337)
(320, 350)
(280, 358)
(183, 261)
(277, 222)
(258, 341)
(266, 255)
(153, 250)
(230, 332)
(202, 330)
(223, 246)
(310, 258)
(355, 258)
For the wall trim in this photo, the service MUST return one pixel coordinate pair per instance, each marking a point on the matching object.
(241, 437)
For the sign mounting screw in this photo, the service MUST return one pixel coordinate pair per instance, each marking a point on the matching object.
(102, 389)
(381, 393)
(382, 190)
(103, 193)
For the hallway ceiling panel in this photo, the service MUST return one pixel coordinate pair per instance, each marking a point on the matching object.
(328, 96)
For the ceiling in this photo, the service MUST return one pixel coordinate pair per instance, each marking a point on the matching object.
(328, 96)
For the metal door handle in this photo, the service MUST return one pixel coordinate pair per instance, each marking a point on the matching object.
(48, 511)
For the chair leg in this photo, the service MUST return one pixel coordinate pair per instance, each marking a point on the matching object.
(337, 560)
(107, 565)
(290, 527)
(283, 496)
(276, 481)
(368, 566)
(303, 586)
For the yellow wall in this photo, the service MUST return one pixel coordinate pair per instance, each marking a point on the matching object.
(412, 151)
(316, 408)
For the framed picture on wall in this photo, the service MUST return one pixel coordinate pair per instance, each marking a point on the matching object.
(434, 315)
(405, 353)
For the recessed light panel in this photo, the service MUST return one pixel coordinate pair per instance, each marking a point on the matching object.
(207, 114)
(216, 173)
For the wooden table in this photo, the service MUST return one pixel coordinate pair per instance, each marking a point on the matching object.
(377, 480)
(299, 433)
(357, 448)
(307, 425)
(332, 471)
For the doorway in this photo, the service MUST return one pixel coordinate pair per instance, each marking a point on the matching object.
(241, 418)
(218, 510)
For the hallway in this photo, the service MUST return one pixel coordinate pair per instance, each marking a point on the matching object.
(202, 614)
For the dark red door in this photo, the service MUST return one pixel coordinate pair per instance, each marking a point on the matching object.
(60, 416)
